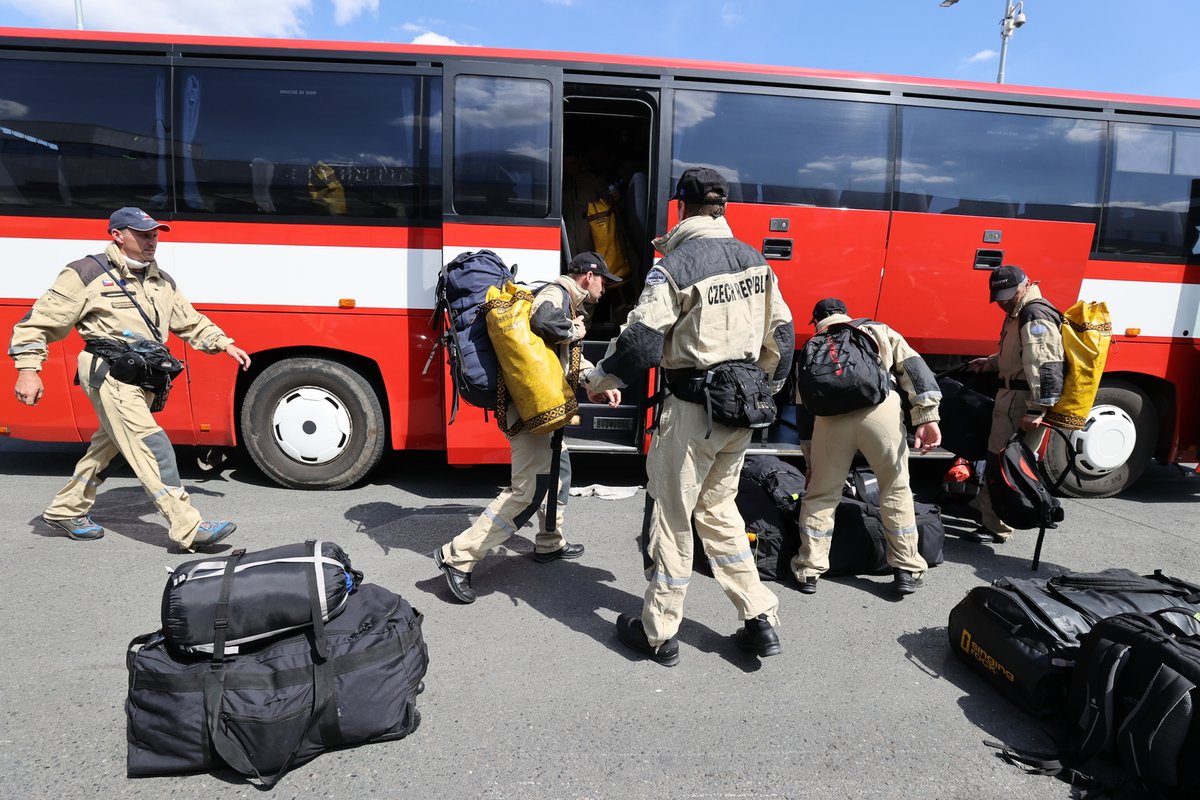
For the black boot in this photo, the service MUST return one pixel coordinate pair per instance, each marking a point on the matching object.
(905, 582)
(632, 634)
(758, 636)
(457, 581)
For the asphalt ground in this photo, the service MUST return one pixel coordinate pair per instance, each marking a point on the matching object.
(529, 694)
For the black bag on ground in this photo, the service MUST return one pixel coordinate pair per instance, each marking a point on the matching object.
(784, 483)
(1022, 634)
(966, 418)
(839, 371)
(866, 552)
(1134, 697)
(269, 595)
(281, 705)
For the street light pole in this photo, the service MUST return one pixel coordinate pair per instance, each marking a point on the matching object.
(78, 15)
(1014, 17)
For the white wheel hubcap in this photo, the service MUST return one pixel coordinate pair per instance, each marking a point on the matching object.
(1106, 441)
(311, 425)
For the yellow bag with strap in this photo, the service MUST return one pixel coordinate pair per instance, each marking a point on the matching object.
(602, 221)
(1086, 336)
(531, 374)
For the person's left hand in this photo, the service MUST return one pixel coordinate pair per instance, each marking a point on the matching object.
(610, 396)
(239, 355)
(927, 437)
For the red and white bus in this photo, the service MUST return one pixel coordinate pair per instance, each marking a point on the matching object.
(315, 188)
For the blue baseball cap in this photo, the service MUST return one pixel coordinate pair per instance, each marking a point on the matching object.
(130, 217)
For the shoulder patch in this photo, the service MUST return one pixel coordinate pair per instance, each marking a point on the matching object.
(655, 276)
(1037, 329)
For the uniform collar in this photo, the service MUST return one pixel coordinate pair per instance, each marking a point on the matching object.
(118, 260)
(832, 319)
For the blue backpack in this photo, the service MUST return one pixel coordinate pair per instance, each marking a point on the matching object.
(461, 291)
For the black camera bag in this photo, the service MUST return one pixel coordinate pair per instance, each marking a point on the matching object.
(262, 712)
(735, 393)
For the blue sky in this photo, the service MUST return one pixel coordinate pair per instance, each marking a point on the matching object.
(1130, 47)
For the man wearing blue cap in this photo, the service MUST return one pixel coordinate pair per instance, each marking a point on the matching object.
(112, 299)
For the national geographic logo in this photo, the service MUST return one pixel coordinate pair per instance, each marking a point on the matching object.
(979, 654)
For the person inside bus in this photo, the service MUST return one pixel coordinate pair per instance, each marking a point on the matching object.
(711, 301)
(1030, 363)
(558, 316)
(119, 296)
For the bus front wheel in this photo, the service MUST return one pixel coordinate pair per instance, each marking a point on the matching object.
(311, 423)
(1114, 447)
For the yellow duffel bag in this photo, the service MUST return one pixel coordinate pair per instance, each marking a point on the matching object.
(530, 372)
(1086, 336)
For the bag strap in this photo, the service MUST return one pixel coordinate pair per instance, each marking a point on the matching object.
(121, 285)
(556, 440)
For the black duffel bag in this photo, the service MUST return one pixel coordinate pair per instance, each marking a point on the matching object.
(1022, 635)
(263, 712)
(966, 415)
(269, 595)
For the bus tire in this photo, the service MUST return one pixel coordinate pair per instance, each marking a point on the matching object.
(312, 423)
(1113, 449)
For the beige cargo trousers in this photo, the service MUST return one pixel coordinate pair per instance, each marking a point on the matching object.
(516, 505)
(694, 478)
(127, 428)
(878, 433)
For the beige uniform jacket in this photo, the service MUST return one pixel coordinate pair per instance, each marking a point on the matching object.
(710, 299)
(90, 300)
(1031, 351)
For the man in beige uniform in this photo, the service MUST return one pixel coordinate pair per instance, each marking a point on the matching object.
(558, 317)
(1030, 363)
(877, 432)
(99, 296)
(711, 299)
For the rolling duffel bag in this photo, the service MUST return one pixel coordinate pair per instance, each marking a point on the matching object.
(269, 596)
(1022, 635)
(264, 711)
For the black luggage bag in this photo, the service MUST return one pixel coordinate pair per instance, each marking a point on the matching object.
(859, 545)
(280, 705)
(269, 595)
(1022, 635)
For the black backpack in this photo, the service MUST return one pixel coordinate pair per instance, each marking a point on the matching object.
(1135, 697)
(1018, 496)
(460, 294)
(839, 371)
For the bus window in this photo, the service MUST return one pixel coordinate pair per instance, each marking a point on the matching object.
(332, 144)
(786, 150)
(66, 143)
(501, 146)
(988, 164)
(1151, 175)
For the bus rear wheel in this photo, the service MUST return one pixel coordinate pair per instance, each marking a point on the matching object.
(311, 423)
(1114, 447)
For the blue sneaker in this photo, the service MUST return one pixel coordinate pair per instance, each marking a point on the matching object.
(81, 529)
(209, 533)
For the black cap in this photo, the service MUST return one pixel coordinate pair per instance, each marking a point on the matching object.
(592, 262)
(1005, 281)
(696, 183)
(827, 307)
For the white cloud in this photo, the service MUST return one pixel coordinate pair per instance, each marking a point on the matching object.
(429, 37)
(345, 11)
(981, 56)
(11, 109)
(212, 17)
(731, 14)
(560, 2)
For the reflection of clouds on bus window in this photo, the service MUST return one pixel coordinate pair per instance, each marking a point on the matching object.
(693, 108)
(499, 102)
(678, 167)
(1143, 149)
(11, 109)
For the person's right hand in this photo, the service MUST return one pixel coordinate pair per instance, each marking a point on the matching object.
(29, 387)
(979, 364)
